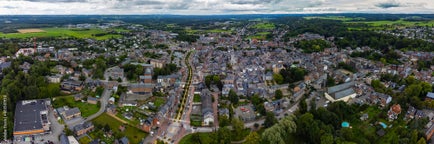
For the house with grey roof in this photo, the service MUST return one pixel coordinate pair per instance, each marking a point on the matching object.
(207, 110)
(68, 113)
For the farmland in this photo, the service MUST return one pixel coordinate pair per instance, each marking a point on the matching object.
(266, 26)
(62, 32)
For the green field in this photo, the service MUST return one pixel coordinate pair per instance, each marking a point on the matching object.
(341, 18)
(85, 108)
(134, 134)
(65, 32)
(398, 23)
(204, 138)
(267, 26)
(390, 25)
(259, 36)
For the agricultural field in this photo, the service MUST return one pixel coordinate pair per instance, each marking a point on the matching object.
(62, 32)
(397, 23)
(134, 134)
(389, 25)
(341, 18)
(259, 36)
(194, 31)
(29, 30)
(85, 108)
(266, 26)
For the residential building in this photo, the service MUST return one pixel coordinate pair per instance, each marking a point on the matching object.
(68, 113)
(114, 73)
(71, 85)
(207, 110)
(393, 112)
(92, 100)
(83, 128)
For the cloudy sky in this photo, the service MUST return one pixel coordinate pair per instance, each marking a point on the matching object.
(204, 7)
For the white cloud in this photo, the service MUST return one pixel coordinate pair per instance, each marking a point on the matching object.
(199, 7)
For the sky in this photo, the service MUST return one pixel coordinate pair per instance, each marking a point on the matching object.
(210, 7)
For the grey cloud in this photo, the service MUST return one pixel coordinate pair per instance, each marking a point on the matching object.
(389, 4)
(242, 2)
(54, 1)
(9, 7)
(148, 2)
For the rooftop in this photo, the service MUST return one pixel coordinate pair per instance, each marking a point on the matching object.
(28, 115)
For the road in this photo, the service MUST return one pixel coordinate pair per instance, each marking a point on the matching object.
(103, 101)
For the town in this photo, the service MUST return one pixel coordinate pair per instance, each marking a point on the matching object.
(234, 80)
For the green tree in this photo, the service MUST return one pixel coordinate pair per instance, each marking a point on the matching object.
(238, 126)
(330, 81)
(414, 136)
(233, 97)
(421, 141)
(278, 94)
(224, 135)
(253, 138)
(272, 136)
(327, 138)
(270, 120)
(278, 78)
(224, 121)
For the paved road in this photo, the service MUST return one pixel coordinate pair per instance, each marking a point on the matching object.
(103, 101)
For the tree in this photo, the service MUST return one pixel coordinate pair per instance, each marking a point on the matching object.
(307, 128)
(253, 138)
(233, 97)
(224, 135)
(82, 77)
(238, 126)
(278, 94)
(414, 136)
(330, 81)
(272, 136)
(327, 138)
(270, 120)
(278, 78)
(303, 106)
(224, 121)
(421, 141)
(287, 126)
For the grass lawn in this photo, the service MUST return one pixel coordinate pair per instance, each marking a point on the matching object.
(196, 98)
(196, 120)
(63, 32)
(204, 138)
(264, 26)
(159, 101)
(134, 134)
(85, 108)
(85, 140)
